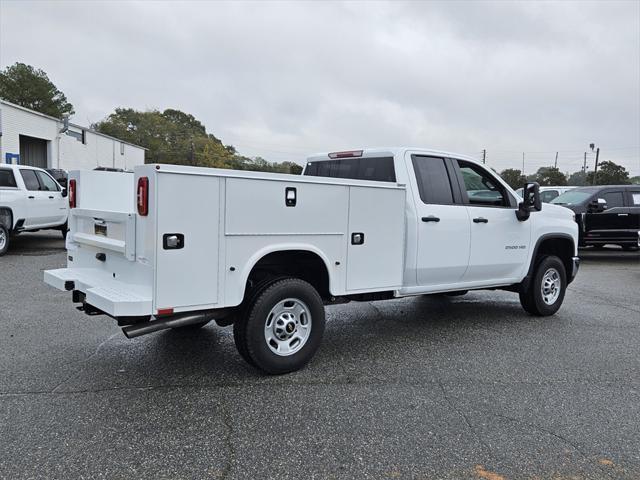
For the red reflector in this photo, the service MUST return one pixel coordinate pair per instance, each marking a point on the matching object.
(347, 154)
(143, 196)
(165, 311)
(72, 193)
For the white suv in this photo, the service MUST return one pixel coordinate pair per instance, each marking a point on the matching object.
(30, 200)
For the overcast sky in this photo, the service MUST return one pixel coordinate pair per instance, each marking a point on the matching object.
(285, 79)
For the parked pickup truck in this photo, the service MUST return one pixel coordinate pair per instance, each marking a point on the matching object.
(30, 200)
(265, 252)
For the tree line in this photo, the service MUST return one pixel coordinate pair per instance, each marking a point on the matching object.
(609, 173)
(173, 136)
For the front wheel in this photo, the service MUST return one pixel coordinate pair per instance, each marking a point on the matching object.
(546, 290)
(4, 240)
(282, 326)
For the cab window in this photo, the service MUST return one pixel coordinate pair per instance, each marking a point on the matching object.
(613, 199)
(30, 180)
(433, 180)
(482, 189)
(548, 195)
(47, 183)
(7, 179)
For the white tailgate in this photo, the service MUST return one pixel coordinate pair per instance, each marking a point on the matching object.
(378, 263)
(187, 205)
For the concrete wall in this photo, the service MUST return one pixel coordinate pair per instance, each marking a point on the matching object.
(64, 151)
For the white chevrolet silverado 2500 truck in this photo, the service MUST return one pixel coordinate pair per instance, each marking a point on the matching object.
(30, 200)
(181, 246)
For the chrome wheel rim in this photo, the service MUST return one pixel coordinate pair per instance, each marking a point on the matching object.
(551, 285)
(287, 327)
(3, 239)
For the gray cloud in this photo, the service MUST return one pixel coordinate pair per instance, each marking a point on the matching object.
(283, 79)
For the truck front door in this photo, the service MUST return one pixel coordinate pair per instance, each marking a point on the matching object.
(499, 242)
(443, 227)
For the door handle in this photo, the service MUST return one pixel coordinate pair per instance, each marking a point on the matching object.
(31, 197)
(623, 214)
(430, 218)
(51, 197)
(480, 220)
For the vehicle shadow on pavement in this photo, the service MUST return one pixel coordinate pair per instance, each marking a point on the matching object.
(36, 244)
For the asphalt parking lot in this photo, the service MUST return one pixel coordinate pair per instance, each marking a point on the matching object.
(467, 387)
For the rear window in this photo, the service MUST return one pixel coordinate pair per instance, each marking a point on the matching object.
(7, 179)
(379, 169)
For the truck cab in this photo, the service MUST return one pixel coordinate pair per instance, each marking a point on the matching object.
(462, 231)
(176, 247)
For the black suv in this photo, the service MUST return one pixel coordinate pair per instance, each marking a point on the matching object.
(606, 214)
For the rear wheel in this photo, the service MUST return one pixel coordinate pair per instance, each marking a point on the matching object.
(546, 289)
(4, 240)
(282, 326)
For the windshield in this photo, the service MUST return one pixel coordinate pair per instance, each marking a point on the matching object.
(571, 198)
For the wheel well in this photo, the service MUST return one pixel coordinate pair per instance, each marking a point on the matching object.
(6, 218)
(302, 264)
(560, 247)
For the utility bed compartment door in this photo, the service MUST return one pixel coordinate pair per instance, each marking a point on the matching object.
(187, 205)
(378, 262)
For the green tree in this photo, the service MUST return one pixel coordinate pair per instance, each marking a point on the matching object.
(635, 180)
(577, 179)
(513, 177)
(31, 88)
(609, 173)
(550, 176)
(173, 136)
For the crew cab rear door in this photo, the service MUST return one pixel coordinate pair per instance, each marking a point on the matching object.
(443, 228)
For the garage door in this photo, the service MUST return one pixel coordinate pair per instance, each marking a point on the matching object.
(33, 151)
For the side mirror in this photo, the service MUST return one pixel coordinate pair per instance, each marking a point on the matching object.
(64, 192)
(597, 205)
(531, 201)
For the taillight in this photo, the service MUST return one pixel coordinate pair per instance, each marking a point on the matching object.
(143, 196)
(72, 193)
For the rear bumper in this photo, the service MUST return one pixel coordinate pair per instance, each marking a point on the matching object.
(113, 297)
(575, 265)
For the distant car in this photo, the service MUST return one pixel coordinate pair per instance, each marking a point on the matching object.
(549, 193)
(30, 200)
(608, 214)
(59, 176)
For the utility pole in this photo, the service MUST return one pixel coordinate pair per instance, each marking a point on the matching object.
(484, 156)
(522, 163)
(595, 169)
(555, 164)
(584, 165)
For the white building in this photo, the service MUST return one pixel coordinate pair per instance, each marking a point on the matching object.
(31, 138)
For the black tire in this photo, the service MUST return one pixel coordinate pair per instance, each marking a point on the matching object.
(239, 332)
(191, 328)
(532, 299)
(4, 240)
(249, 329)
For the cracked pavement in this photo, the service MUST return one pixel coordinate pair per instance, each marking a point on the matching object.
(452, 388)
